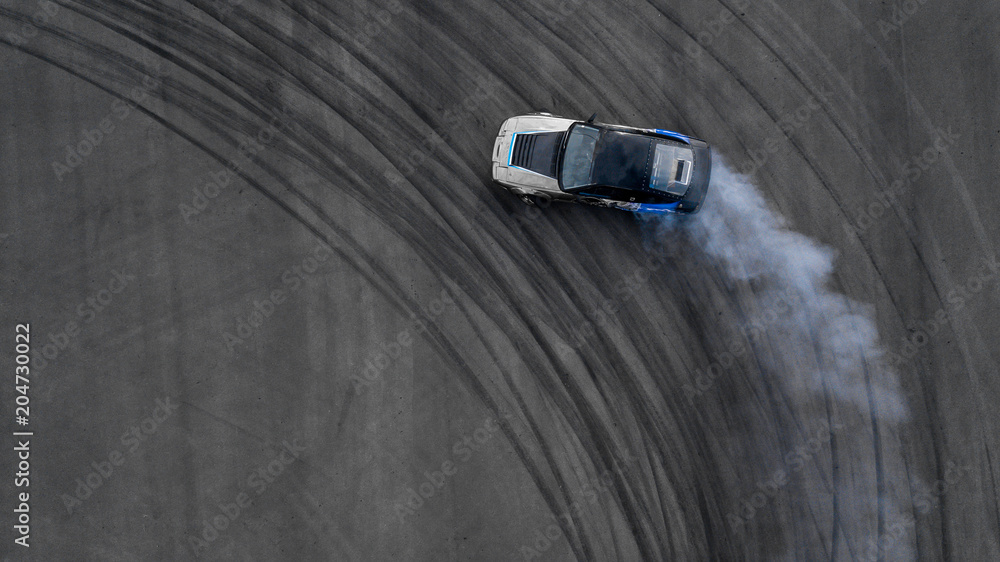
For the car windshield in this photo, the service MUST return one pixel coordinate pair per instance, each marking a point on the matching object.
(578, 160)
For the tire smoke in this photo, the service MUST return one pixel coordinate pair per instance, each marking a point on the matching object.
(825, 343)
(821, 346)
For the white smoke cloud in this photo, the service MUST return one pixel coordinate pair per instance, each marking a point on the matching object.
(822, 346)
(826, 341)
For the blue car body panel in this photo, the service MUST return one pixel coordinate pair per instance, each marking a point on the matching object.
(662, 208)
(673, 135)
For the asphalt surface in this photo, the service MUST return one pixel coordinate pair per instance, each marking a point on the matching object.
(278, 311)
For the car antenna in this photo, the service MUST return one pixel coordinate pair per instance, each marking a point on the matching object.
(592, 117)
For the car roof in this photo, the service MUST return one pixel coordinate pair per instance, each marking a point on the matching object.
(624, 156)
(621, 159)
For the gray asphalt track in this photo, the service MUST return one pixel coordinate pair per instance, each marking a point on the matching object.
(278, 311)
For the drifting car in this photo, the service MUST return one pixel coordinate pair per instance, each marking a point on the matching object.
(542, 158)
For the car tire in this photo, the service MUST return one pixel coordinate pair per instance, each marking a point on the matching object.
(541, 201)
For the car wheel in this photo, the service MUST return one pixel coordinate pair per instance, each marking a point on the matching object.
(543, 201)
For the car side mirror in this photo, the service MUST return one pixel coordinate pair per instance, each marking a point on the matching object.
(592, 117)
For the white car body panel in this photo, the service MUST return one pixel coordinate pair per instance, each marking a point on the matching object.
(520, 180)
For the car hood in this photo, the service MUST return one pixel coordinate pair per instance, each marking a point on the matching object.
(526, 149)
